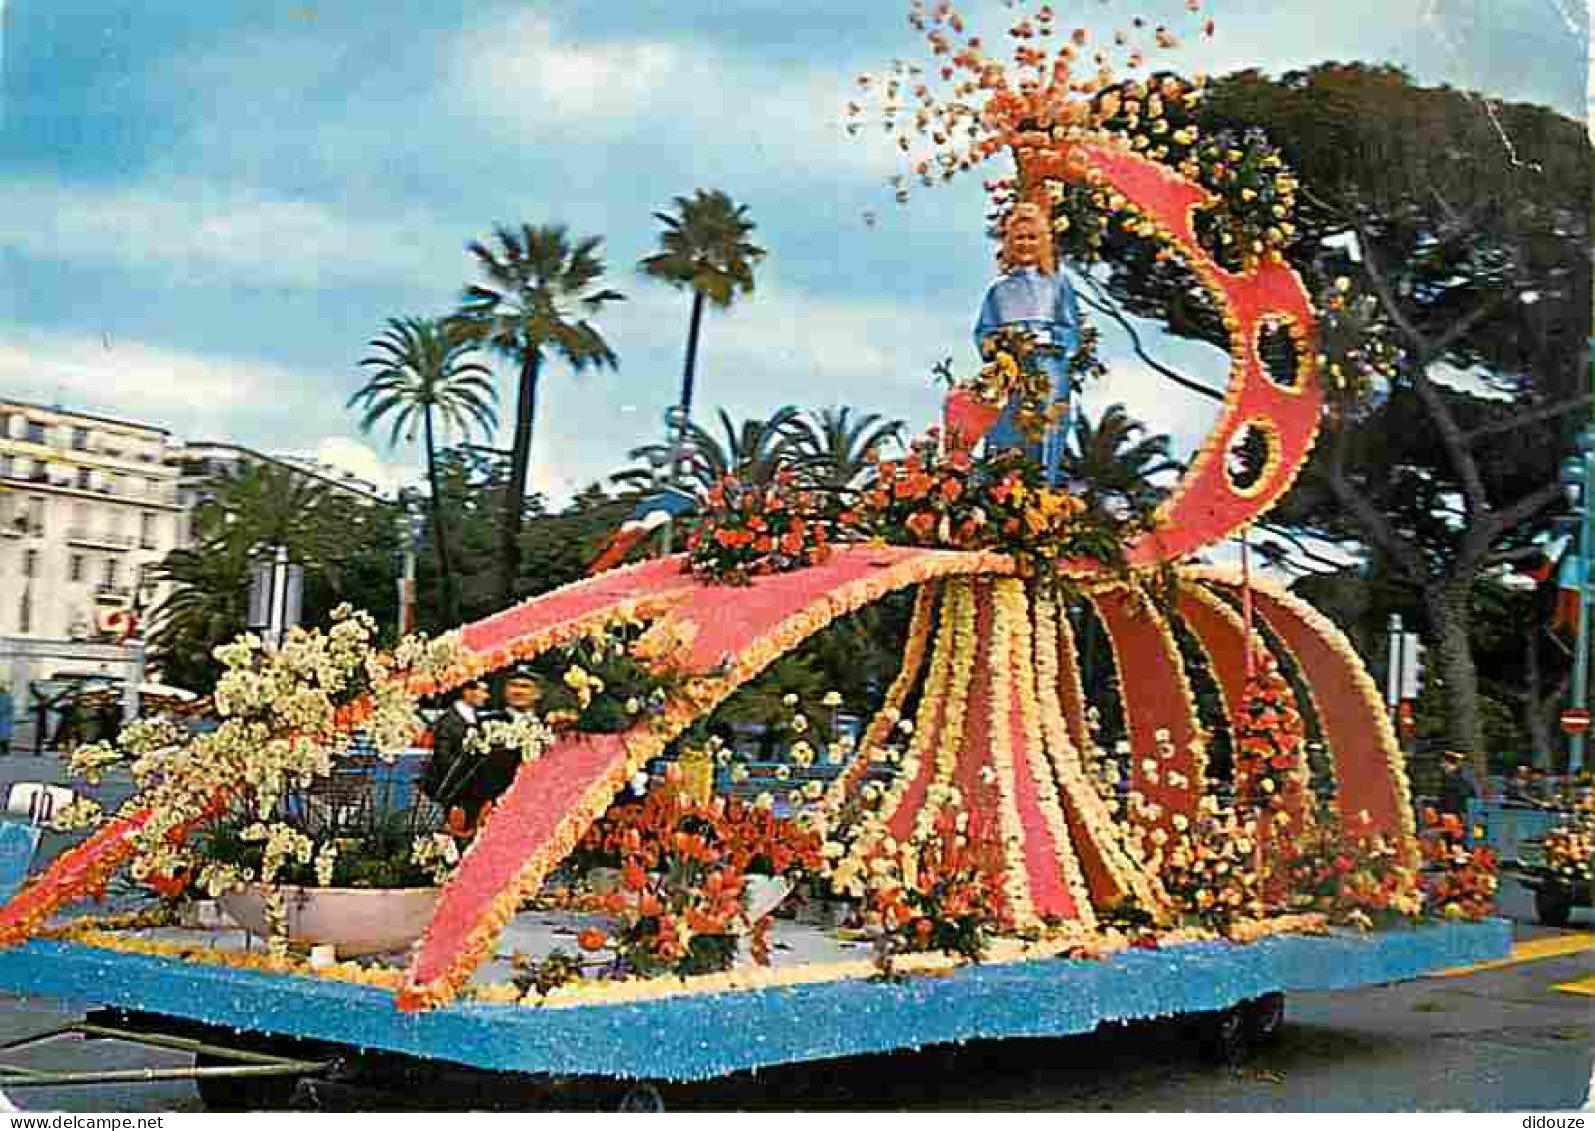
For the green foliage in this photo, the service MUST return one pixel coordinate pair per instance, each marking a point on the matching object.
(374, 855)
(1117, 463)
(421, 378)
(704, 248)
(348, 547)
(753, 451)
(539, 296)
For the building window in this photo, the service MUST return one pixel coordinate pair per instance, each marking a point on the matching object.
(75, 572)
(146, 532)
(34, 514)
(108, 485)
(85, 479)
(30, 563)
(80, 439)
(25, 614)
(35, 432)
(110, 572)
(5, 467)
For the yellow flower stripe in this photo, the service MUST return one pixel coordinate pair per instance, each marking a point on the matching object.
(880, 726)
(1000, 675)
(109, 934)
(931, 701)
(1040, 772)
(1096, 822)
(950, 737)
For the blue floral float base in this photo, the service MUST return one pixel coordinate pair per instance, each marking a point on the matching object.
(700, 1037)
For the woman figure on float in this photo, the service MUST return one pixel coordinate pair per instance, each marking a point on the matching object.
(1033, 296)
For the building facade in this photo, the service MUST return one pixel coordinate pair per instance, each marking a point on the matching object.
(89, 505)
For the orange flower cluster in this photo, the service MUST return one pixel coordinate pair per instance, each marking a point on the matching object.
(754, 840)
(967, 103)
(1209, 867)
(1350, 874)
(683, 869)
(953, 500)
(1269, 737)
(1567, 851)
(944, 893)
(1458, 882)
(747, 531)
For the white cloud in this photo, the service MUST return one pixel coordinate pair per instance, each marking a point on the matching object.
(193, 395)
(520, 75)
(201, 232)
(522, 81)
(362, 459)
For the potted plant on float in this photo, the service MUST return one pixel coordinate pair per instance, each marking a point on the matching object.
(272, 814)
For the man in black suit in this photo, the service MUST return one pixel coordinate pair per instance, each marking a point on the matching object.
(448, 771)
(498, 766)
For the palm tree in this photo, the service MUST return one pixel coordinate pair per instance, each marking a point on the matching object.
(753, 451)
(263, 505)
(704, 248)
(420, 375)
(834, 445)
(1115, 461)
(539, 294)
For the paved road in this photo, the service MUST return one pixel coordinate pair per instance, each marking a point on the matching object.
(1502, 1039)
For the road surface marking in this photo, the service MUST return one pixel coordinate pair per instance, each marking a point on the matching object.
(1535, 950)
(1584, 986)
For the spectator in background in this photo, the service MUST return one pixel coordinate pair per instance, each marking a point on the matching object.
(1456, 784)
(1520, 788)
(447, 771)
(1540, 789)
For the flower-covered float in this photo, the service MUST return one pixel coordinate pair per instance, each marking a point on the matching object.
(1000, 874)
(1560, 872)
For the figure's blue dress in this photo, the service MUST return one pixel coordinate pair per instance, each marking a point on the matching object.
(1045, 305)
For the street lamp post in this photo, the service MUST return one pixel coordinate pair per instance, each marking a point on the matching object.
(1578, 476)
(676, 421)
(275, 589)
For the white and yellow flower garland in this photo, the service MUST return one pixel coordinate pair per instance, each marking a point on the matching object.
(1025, 676)
(1095, 820)
(1000, 675)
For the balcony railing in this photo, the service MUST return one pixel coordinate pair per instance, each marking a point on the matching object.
(87, 537)
(112, 592)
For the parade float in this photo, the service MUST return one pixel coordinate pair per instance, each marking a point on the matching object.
(998, 879)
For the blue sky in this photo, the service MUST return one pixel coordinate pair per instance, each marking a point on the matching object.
(207, 210)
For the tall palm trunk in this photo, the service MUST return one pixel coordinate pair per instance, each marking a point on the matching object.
(690, 369)
(451, 598)
(520, 470)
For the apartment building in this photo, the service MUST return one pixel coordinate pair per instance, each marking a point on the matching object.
(88, 506)
(199, 462)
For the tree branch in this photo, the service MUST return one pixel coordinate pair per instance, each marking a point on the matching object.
(1516, 554)
(1096, 301)
(1462, 325)
(1301, 547)
(1529, 416)
(1374, 522)
(1376, 275)
(1499, 522)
